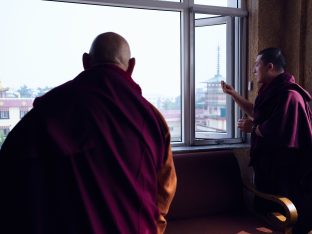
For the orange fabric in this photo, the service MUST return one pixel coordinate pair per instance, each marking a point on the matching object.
(167, 180)
(167, 184)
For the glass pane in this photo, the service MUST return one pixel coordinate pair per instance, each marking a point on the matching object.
(42, 43)
(223, 3)
(210, 69)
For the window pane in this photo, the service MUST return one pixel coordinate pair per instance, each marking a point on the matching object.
(210, 69)
(42, 43)
(223, 3)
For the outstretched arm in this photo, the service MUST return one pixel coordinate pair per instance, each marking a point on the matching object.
(242, 102)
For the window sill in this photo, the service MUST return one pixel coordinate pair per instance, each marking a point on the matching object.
(184, 149)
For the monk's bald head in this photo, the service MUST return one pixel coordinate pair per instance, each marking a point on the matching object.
(109, 47)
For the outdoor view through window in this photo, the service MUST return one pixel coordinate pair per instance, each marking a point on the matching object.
(210, 67)
(42, 43)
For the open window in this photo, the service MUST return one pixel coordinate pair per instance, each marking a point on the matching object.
(217, 57)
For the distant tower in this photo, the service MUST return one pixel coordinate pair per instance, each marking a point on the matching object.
(215, 99)
(213, 117)
(217, 77)
(218, 61)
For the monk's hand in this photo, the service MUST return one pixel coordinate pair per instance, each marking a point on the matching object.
(245, 124)
(228, 89)
(131, 66)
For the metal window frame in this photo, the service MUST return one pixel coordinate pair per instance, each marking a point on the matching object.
(236, 63)
(218, 138)
(187, 9)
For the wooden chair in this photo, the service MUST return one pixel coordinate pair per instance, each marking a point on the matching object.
(214, 197)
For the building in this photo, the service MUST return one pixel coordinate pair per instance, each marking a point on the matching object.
(211, 104)
(12, 109)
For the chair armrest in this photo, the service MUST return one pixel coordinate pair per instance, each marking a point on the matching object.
(284, 221)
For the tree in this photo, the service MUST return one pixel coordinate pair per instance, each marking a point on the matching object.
(25, 92)
(41, 91)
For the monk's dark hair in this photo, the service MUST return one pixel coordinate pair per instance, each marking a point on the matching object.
(274, 56)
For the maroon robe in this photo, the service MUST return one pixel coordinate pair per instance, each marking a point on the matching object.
(282, 112)
(282, 157)
(86, 159)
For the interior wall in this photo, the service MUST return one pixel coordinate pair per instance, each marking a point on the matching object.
(285, 24)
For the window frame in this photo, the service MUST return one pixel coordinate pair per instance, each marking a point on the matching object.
(234, 75)
(218, 20)
(187, 10)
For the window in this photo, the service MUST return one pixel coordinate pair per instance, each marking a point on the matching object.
(23, 112)
(211, 118)
(214, 62)
(218, 55)
(4, 114)
(5, 131)
(179, 46)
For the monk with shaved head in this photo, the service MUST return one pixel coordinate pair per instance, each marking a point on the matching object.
(108, 48)
(93, 156)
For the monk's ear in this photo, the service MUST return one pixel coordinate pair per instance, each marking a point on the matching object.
(270, 66)
(131, 65)
(86, 61)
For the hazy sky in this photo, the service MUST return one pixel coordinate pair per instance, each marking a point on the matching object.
(42, 42)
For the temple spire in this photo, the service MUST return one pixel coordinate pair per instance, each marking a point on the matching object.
(218, 61)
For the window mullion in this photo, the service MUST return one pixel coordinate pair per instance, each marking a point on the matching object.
(192, 77)
(187, 74)
(144, 4)
(230, 73)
